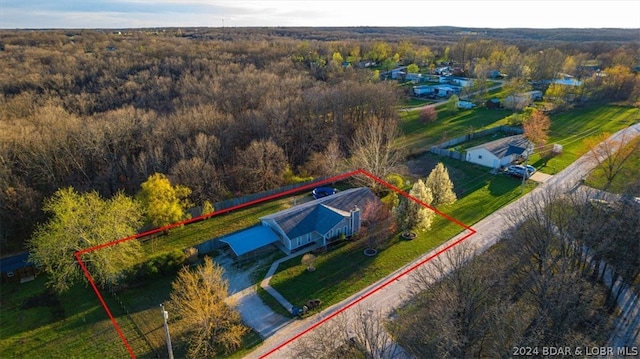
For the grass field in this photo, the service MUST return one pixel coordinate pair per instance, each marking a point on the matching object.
(346, 270)
(418, 137)
(75, 324)
(620, 184)
(572, 128)
(71, 325)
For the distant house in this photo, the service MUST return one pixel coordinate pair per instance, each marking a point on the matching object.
(493, 103)
(466, 105)
(458, 81)
(423, 90)
(522, 100)
(17, 268)
(415, 77)
(501, 152)
(399, 72)
(321, 220)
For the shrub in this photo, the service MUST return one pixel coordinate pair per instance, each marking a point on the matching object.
(162, 264)
(428, 114)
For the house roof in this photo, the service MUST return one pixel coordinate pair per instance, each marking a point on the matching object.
(13, 263)
(506, 146)
(322, 214)
(250, 239)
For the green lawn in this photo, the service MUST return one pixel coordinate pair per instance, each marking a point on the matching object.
(71, 325)
(346, 270)
(77, 323)
(572, 128)
(84, 328)
(620, 183)
(198, 232)
(418, 137)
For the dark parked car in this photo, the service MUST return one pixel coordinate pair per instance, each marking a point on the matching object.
(323, 192)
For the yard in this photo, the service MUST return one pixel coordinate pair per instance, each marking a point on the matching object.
(35, 325)
(38, 324)
(418, 136)
(345, 270)
(620, 183)
(572, 128)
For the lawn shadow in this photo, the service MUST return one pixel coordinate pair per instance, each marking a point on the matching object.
(503, 184)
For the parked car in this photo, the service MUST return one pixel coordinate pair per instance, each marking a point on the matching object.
(323, 192)
(530, 169)
(521, 171)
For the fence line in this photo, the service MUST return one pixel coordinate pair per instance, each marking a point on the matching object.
(441, 148)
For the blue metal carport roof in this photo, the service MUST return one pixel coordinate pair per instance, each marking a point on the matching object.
(250, 239)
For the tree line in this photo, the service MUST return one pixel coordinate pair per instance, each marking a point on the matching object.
(221, 112)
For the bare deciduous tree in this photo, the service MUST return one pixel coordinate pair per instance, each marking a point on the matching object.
(210, 324)
(372, 147)
(260, 166)
(610, 154)
(355, 333)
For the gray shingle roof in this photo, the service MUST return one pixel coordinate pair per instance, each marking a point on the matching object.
(506, 146)
(321, 214)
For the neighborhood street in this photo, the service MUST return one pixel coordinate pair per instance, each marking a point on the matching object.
(395, 286)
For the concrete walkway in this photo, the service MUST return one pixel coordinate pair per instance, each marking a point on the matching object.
(272, 270)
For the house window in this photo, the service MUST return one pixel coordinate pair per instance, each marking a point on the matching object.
(299, 240)
(345, 230)
(480, 156)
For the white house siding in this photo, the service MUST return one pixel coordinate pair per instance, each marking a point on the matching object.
(483, 157)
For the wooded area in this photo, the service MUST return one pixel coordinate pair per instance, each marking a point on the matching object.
(541, 286)
(232, 111)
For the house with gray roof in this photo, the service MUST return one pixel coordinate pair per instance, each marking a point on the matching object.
(501, 152)
(321, 220)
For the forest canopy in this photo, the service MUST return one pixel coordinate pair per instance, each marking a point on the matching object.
(104, 110)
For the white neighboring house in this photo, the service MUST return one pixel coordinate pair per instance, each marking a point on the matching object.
(466, 105)
(458, 81)
(501, 152)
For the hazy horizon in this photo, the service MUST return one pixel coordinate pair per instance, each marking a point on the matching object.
(497, 14)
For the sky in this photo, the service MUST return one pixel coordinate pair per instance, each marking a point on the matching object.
(89, 14)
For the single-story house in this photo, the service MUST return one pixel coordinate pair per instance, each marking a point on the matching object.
(17, 268)
(458, 81)
(423, 90)
(465, 105)
(523, 99)
(399, 72)
(501, 152)
(321, 220)
(493, 103)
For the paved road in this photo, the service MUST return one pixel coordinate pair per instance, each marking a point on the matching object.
(396, 286)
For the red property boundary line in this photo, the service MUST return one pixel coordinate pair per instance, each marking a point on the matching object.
(337, 178)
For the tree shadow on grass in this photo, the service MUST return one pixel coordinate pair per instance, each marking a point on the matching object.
(501, 185)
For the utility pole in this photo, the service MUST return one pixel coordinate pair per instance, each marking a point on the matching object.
(165, 316)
